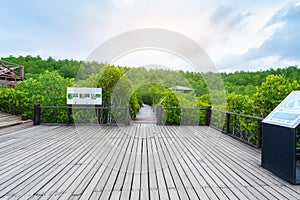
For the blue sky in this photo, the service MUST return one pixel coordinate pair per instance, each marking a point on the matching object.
(237, 35)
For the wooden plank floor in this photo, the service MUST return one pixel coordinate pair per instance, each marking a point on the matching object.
(145, 115)
(136, 162)
(7, 120)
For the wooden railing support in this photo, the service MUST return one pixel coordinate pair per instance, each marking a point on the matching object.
(159, 115)
(227, 123)
(98, 114)
(37, 114)
(207, 115)
(69, 114)
(127, 120)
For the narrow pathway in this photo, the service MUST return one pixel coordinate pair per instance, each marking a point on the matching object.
(145, 116)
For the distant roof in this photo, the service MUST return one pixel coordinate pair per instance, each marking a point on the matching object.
(10, 73)
(181, 88)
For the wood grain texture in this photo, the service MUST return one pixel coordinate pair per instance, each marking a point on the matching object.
(142, 161)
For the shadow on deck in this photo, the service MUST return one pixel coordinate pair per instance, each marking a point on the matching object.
(133, 162)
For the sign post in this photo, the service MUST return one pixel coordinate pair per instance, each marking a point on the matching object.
(84, 96)
(279, 139)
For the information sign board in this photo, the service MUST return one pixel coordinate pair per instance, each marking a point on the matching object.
(287, 113)
(84, 96)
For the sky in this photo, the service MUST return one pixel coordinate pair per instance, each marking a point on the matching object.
(237, 35)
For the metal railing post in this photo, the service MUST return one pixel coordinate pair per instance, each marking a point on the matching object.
(259, 133)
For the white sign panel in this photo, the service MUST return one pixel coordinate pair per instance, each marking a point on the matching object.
(84, 96)
(287, 113)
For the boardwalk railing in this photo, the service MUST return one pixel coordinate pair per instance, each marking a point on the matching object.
(81, 115)
(182, 116)
(243, 127)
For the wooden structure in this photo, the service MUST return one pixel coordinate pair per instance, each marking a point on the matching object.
(10, 73)
(97, 115)
(133, 162)
(8, 120)
(182, 89)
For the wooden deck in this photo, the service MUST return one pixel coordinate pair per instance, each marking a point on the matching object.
(7, 120)
(145, 115)
(134, 162)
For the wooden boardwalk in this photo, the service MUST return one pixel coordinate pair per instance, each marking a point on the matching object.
(145, 115)
(134, 162)
(7, 120)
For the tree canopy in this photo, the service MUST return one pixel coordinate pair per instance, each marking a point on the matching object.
(254, 93)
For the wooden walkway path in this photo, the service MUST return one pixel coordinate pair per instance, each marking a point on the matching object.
(7, 120)
(134, 162)
(145, 115)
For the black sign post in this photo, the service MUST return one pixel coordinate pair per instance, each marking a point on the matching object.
(279, 152)
(279, 139)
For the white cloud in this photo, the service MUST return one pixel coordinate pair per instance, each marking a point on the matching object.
(263, 63)
(228, 30)
(251, 33)
(280, 47)
(154, 58)
(124, 3)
